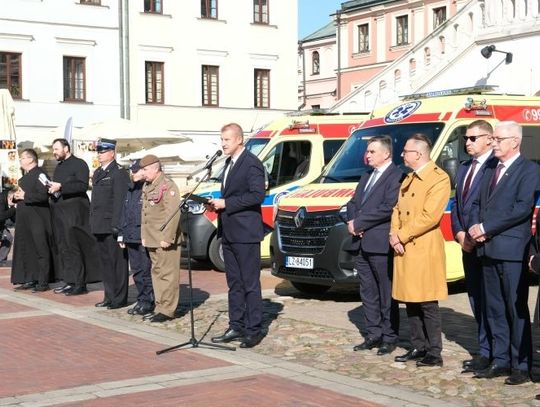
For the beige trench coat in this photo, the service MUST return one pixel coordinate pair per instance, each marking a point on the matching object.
(420, 273)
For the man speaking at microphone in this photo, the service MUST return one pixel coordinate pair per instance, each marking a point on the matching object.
(241, 230)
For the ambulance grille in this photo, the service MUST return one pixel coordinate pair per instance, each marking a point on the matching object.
(310, 237)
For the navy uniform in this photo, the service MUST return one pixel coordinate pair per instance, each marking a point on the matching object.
(161, 199)
(129, 234)
(109, 188)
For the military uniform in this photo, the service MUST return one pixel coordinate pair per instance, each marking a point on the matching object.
(160, 200)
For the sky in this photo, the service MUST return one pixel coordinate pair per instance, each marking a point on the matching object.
(314, 14)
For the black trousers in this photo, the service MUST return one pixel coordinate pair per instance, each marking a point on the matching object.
(141, 266)
(115, 269)
(425, 322)
(243, 272)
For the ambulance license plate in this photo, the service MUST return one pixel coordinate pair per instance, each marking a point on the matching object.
(299, 262)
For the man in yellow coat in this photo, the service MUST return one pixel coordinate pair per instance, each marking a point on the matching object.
(419, 261)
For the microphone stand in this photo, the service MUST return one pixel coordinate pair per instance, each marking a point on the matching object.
(193, 342)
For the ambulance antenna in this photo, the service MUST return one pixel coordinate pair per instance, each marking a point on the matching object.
(371, 115)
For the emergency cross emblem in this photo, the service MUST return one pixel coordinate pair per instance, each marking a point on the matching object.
(402, 112)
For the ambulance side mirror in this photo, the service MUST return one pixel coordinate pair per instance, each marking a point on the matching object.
(450, 165)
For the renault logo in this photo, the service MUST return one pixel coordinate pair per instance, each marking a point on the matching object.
(299, 217)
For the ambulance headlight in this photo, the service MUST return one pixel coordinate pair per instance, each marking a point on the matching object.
(195, 208)
(343, 213)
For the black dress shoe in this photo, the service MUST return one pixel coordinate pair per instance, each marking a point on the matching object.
(148, 316)
(40, 288)
(144, 310)
(368, 344)
(159, 317)
(229, 335)
(252, 340)
(476, 364)
(537, 397)
(386, 348)
(517, 377)
(413, 354)
(492, 371)
(62, 289)
(103, 304)
(429, 360)
(76, 290)
(26, 286)
(116, 306)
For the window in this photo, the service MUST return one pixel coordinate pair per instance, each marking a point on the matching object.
(287, 161)
(262, 88)
(74, 79)
(260, 11)
(210, 85)
(363, 38)
(315, 63)
(154, 82)
(153, 6)
(97, 2)
(209, 8)
(402, 30)
(10, 73)
(330, 148)
(439, 16)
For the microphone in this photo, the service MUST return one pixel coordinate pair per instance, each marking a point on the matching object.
(47, 182)
(211, 160)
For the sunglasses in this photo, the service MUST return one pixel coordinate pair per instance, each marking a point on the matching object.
(473, 138)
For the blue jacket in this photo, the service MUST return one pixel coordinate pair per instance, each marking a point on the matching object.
(130, 218)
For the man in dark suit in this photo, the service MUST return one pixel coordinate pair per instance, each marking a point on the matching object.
(368, 214)
(501, 218)
(469, 177)
(241, 230)
(109, 187)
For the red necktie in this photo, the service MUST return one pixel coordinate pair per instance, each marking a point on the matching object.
(495, 178)
(468, 181)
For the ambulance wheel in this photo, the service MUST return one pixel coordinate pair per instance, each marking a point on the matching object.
(311, 289)
(215, 253)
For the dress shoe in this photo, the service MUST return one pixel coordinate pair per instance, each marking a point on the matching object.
(517, 377)
(103, 304)
(62, 289)
(386, 348)
(251, 340)
(77, 290)
(148, 316)
(429, 360)
(229, 335)
(492, 371)
(476, 364)
(368, 344)
(26, 286)
(144, 310)
(40, 288)
(537, 397)
(116, 306)
(413, 354)
(159, 317)
(133, 310)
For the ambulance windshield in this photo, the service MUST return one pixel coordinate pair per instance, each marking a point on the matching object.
(348, 165)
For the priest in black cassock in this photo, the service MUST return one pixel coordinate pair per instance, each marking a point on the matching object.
(32, 258)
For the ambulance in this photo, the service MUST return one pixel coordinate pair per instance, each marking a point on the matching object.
(293, 150)
(310, 229)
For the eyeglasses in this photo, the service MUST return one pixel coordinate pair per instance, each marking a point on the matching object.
(410, 151)
(499, 139)
(474, 138)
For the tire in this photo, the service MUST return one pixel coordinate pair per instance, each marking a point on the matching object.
(215, 254)
(311, 289)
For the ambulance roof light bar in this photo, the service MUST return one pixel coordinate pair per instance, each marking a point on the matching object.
(452, 92)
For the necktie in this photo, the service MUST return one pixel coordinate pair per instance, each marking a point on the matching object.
(468, 181)
(370, 185)
(495, 178)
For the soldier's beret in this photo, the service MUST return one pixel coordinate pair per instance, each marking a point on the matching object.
(147, 160)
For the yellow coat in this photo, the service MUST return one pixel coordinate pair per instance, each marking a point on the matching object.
(420, 273)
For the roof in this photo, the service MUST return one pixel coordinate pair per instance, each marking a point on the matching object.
(359, 4)
(329, 30)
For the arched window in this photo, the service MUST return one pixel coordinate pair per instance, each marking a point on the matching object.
(397, 76)
(315, 63)
(427, 56)
(412, 67)
(382, 85)
(442, 41)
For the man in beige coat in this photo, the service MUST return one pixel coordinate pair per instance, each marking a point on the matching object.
(419, 261)
(160, 200)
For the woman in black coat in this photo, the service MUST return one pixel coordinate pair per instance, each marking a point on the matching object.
(32, 257)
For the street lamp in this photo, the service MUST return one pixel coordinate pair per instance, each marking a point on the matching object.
(490, 49)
